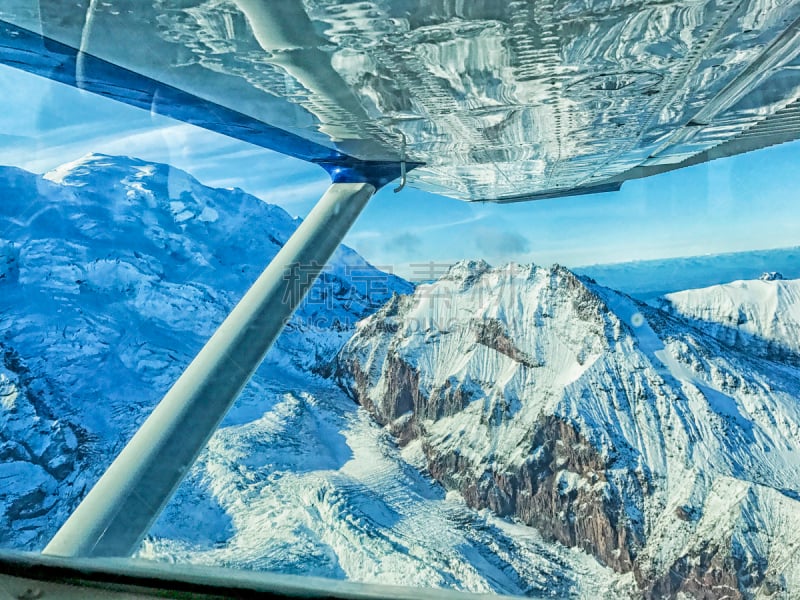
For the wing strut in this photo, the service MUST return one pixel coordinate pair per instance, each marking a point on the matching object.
(124, 503)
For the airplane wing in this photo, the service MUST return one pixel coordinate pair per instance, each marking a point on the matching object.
(500, 101)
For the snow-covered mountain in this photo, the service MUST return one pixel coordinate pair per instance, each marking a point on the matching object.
(643, 437)
(761, 316)
(113, 272)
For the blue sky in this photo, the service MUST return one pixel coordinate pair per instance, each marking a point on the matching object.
(741, 203)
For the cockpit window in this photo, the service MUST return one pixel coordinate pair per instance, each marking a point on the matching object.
(489, 298)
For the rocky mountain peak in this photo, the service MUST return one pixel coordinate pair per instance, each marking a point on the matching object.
(578, 410)
(467, 269)
(771, 276)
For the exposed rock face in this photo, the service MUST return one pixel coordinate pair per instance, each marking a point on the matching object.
(37, 452)
(493, 334)
(708, 575)
(771, 276)
(540, 492)
(585, 414)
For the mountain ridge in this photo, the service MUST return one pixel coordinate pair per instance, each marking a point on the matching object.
(660, 414)
(761, 315)
(650, 279)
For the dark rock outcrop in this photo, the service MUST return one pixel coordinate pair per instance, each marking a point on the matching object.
(403, 407)
(709, 574)
(589, 516)
(542, 492)
(493, 334)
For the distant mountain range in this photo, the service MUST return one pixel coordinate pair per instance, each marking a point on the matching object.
(630, 450)
(649, 279)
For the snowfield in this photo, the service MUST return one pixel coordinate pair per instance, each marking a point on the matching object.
(762, 315)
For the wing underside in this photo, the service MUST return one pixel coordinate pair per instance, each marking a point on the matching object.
(498, 101)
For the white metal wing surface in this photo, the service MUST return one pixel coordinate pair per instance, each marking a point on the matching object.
(500, 101)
